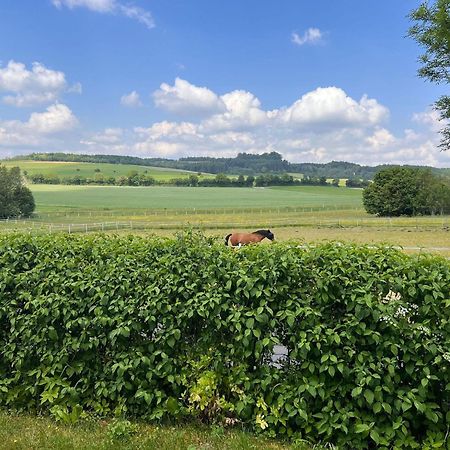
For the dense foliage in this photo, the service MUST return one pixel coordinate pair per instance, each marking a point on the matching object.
(431, 29)
(243, 163)
(357, 183)
(220, 180)
(186, 327)
(16, 200)
(403, 191)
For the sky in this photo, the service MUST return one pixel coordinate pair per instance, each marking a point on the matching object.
(316, 81)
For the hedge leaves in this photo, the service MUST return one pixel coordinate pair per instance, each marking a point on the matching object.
(170, 328)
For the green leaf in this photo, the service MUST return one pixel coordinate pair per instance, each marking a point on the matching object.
(356, 391)
(431, 415)
(52, 334)
(377, 407)
(387, 407)
(172, 405)
(369, 396)
(362, 428)
(250, 322)
(375, 436)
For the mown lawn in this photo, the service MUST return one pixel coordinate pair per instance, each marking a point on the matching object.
(27, 432)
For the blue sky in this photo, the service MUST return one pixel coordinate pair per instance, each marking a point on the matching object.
(315, 81)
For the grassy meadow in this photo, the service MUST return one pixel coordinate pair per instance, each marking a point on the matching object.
(88, 170)
(61, 197)
(302, 213)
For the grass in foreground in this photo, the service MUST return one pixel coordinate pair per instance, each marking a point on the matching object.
(26, 432)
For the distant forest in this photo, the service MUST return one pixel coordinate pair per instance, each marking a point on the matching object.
(242, 164)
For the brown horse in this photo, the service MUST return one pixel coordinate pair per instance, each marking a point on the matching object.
(238, 239)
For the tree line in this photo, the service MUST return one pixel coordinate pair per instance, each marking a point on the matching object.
(243, 163)
(220, 180)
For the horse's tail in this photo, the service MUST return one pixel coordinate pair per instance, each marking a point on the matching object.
(227, 237)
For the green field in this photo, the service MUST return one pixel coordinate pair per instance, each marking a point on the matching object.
(304, 213)
(88, 170)
(60, 197)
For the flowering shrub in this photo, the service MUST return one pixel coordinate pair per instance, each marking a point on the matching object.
(185, 327)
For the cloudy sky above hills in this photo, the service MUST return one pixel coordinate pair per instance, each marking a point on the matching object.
(315, 81)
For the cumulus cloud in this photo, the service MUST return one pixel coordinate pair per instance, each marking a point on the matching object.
(310, 36)
(332, 107)
(242, 111)
(37, 86)
(322, 125)
(109, 136)
(131, 100)
(55, 119)
(381, 138)
(167, 129)
(110, 7)
(185, 98)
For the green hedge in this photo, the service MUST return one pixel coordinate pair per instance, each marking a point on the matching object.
(186, 327)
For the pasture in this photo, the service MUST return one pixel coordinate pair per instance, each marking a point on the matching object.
(89, 170)
(61, 197)
(304, 213)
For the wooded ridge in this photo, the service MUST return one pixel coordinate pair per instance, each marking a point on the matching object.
(243, 163)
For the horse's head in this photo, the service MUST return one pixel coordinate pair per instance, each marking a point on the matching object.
(266, 233)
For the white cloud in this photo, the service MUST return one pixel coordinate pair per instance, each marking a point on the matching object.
(429, 118)
(310, 36)
(168, 129)
(109, 136)
(139, 14)
(102, 6)
(381, 138)
(332, 107)
(322, 125)
(110, 7)
(131, 100)
(76, 88)
(185, 98)
(57, 118)
(243, 111)
(37, 86)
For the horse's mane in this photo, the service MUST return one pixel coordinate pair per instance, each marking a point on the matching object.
(264, 233)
